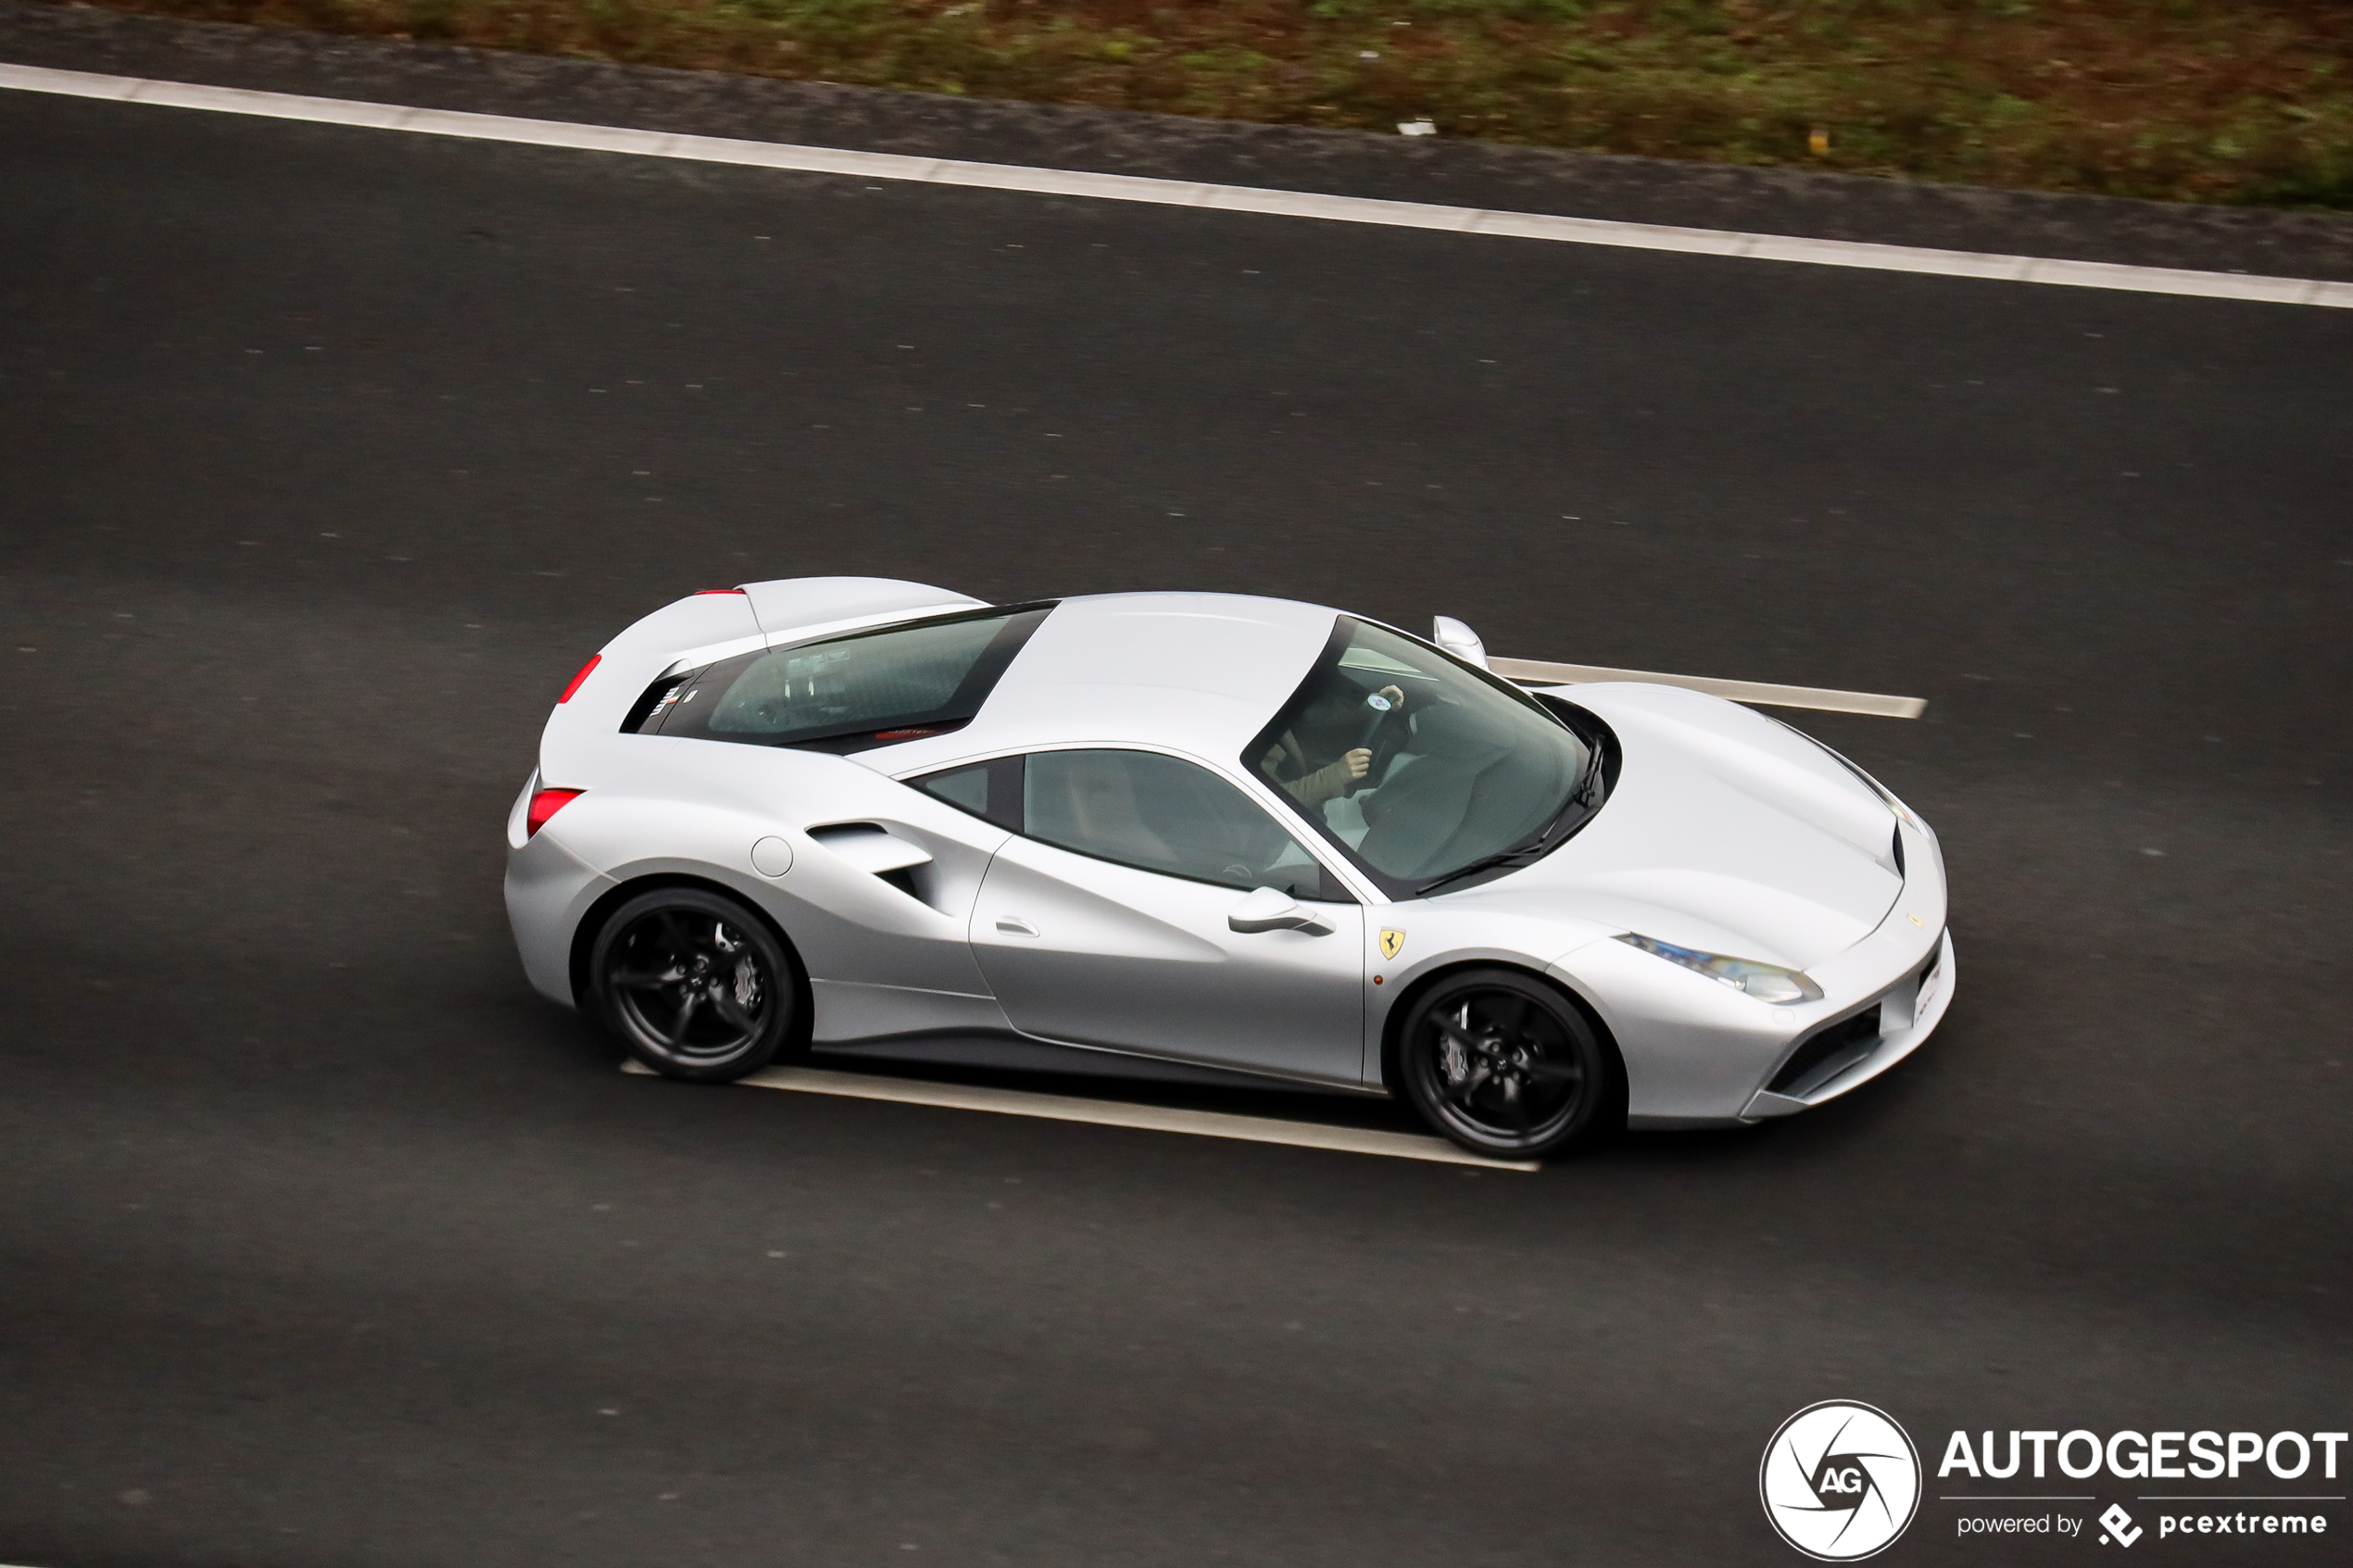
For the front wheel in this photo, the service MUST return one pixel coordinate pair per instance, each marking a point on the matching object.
(694, 984)
(1506, 1066)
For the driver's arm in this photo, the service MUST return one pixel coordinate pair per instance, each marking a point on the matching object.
(1332, 779)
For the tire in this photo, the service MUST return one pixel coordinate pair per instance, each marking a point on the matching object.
(696, 986)
(1504, 1065)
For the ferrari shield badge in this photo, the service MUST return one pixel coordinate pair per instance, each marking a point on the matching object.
(1390, 942)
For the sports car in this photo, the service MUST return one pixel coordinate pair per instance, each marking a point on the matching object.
(1214, 837)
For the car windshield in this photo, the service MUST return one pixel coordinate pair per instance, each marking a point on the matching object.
(1421, 768)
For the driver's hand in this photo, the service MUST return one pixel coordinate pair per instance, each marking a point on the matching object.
(1396, 696)
(1357, 763)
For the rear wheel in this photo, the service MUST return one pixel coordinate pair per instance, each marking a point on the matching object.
(694, 984)
(1506, 1066)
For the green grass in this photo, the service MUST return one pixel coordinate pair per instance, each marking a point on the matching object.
(2247, 101)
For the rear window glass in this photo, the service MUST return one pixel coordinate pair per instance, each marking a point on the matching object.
(846, 694)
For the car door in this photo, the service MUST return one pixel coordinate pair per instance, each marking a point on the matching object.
(1105, 921)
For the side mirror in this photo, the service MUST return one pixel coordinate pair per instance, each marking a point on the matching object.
(1458, 640)
(1270, 909)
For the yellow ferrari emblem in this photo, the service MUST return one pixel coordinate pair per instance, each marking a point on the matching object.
(1390, 941)
(1917, 921)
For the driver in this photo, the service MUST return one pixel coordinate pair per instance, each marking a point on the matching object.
(1298, 761)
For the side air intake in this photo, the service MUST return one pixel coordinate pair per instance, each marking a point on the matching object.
(1825, 1055)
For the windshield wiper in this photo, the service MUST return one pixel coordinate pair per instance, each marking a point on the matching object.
(1587, 794)
(1519, 854)
(1589, 788)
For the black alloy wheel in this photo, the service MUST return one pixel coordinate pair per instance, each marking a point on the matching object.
(1506, 1066)
(696, 984)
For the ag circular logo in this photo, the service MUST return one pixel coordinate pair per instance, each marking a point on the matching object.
(1840, 1481)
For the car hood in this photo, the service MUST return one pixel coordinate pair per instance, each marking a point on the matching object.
(1726, 832)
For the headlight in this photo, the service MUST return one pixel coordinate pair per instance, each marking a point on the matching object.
(1766, 981)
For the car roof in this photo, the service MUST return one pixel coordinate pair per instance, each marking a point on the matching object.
(1197, 673)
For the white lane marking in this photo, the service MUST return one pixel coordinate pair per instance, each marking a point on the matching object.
(1116, 1114)
(1179, 192)
(1739, 691)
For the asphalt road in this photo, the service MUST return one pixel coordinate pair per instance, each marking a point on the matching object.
(325, 458)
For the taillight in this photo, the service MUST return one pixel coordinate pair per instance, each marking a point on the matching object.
(706, 592)
(593, 662)
(544, 805)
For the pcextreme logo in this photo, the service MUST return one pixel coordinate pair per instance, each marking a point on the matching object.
(1840, 1481)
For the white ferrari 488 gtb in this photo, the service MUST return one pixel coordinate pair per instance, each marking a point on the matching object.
(1211, 836)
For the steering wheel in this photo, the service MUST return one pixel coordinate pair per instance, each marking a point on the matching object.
(1384, 736)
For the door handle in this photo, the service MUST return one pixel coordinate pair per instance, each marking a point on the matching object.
(1269, 908)
(1013, 925)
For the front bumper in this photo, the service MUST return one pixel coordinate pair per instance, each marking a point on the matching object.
(1885, 1033)
(1698, 1054)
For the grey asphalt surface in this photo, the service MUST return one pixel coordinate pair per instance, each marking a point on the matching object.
(327, 455)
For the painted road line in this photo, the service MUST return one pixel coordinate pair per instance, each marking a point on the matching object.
(1116, 1113)
(1530, 670)
(1181, 192)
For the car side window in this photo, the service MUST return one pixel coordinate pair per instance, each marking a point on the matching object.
(990, 791)
(1163, 814)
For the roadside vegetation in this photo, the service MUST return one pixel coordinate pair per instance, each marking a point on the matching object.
(2247, 101)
